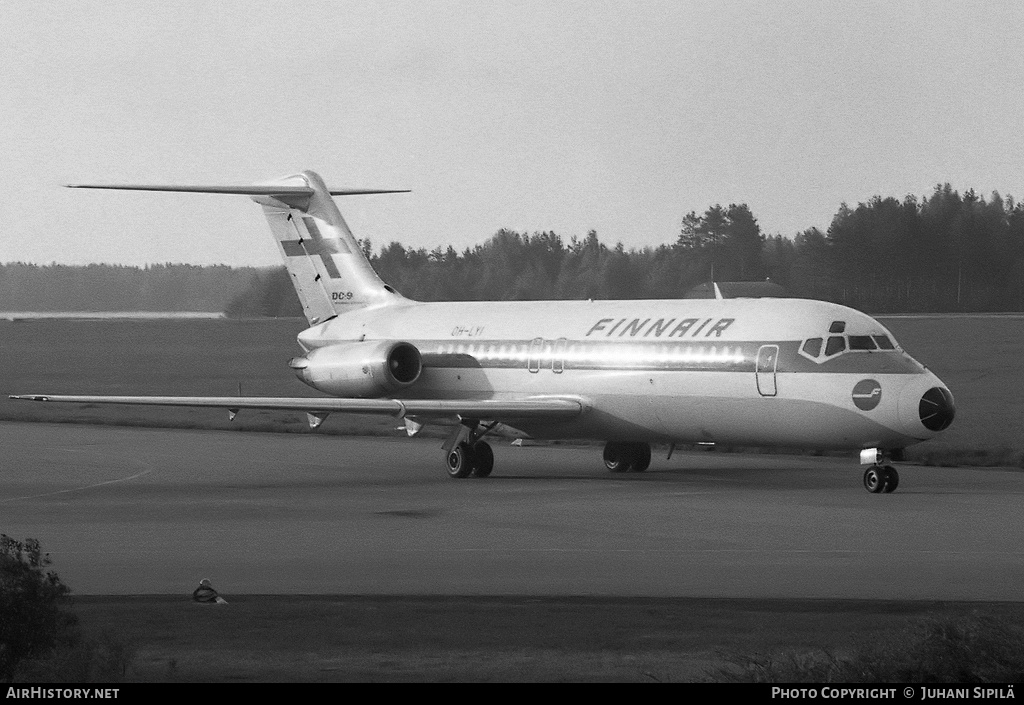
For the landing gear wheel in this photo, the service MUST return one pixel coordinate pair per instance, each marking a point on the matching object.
(627, 457)
(459, 461)
(617, 457)
(483, 459)
(874, 479)
(641, 457)
(891, 479)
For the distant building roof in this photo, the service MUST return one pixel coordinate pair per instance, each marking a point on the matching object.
(739, 290)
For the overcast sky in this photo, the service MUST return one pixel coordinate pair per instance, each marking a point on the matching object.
(568, 116)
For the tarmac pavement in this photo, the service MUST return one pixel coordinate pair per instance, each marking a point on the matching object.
(152, 511)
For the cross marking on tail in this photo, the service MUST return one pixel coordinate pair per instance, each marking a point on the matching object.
(322, 247)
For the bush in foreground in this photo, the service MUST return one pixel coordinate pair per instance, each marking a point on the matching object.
(950, 650)
(80, 659)
(39, 635)
(33, 605)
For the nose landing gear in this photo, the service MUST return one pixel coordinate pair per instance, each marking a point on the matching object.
(880, 478)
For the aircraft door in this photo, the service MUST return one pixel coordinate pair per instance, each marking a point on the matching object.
(767, 363)
(533, 362)
(558, 360)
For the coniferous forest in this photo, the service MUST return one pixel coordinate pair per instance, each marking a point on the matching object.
(946, 252)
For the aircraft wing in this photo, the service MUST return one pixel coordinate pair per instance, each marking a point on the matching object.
(530, 408)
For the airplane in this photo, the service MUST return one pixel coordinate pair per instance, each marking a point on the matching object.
(792, 373)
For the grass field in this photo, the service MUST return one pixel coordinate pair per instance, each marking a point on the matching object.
(174, 357)
(978, 357)
(310, 639)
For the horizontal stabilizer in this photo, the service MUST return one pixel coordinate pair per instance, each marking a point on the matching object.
(241, 190)
(543, 407)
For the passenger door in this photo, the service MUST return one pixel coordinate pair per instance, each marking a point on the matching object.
(767, 363)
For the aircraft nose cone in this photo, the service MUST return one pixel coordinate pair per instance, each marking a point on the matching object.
(937, 409)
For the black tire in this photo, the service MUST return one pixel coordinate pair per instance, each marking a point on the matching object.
(640, 457)
(874, 480)
(892, 479)
(483, 457)
(459, 461)
(617, 457)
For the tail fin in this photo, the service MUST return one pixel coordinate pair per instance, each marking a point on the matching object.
(326, 265)
(324, 260)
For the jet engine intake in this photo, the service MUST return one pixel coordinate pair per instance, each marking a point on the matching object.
(364, 369)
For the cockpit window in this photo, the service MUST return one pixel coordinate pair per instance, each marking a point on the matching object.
(884, 343)
(836, 344)
(837, 327)
(862, 342)
(812, 347)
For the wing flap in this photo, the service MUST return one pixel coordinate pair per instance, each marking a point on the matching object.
(538, 407)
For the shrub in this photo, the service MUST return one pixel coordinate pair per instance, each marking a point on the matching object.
(948, 650)
(80, 659)
(33, 605)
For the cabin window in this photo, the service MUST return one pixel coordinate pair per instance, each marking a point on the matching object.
(836, 344)
(862, 342)
(884, 343)
(837, 327)
(812, 347)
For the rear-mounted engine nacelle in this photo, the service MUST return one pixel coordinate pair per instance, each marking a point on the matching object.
(367, 369)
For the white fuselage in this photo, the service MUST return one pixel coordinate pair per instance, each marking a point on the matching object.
(753, 372)
(736, 371)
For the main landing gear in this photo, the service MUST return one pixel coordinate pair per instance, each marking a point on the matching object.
(880, 478)
(466, 454)
(627, 457)
(464, 460)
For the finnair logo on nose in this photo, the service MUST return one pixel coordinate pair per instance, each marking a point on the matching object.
(867, 394)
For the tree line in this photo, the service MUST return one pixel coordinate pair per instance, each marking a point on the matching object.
(941, 253)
